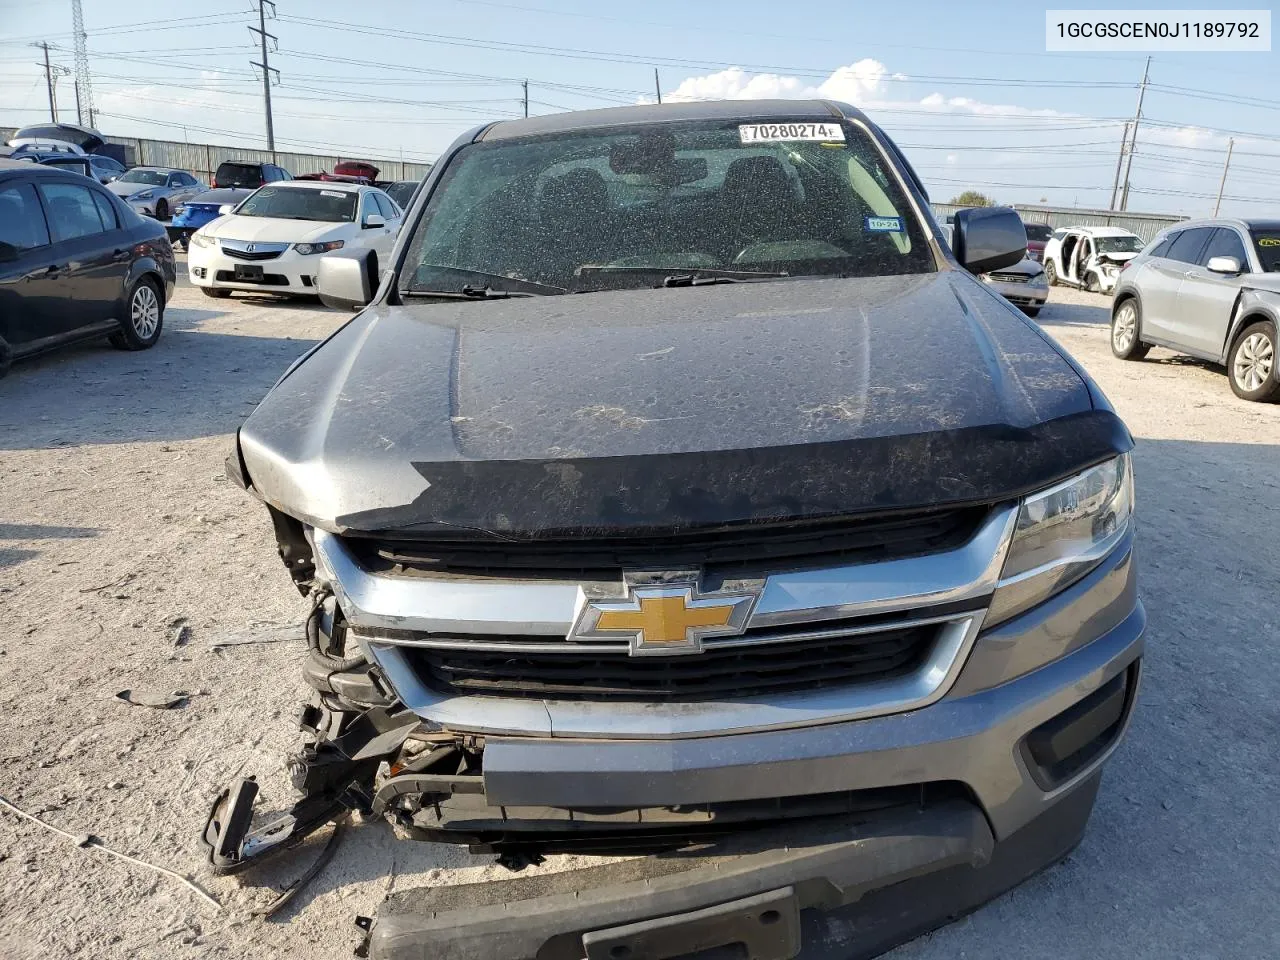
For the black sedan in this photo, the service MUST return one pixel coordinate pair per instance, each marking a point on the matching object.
(76, 263)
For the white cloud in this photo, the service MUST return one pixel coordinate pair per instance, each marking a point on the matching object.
(855, 83)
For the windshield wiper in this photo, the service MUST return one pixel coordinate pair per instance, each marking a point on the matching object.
(694, 277)
(465, 272)
(469, 292)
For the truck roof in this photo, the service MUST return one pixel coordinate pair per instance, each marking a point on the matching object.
(671, 112)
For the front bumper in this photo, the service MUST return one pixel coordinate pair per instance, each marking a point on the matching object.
(839, 889)
(290, 272)
(1000, 686)
(1032, 293)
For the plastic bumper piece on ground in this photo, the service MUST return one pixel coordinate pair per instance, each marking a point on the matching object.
(836, 889)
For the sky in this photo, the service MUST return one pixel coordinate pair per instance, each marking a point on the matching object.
(966, 90)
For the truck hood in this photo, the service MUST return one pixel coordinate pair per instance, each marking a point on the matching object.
(673, 407)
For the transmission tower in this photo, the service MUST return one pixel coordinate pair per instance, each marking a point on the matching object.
(84, 88)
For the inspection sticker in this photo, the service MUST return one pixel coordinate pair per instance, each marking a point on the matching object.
(790, 132)
(332, 193)
(884, 224)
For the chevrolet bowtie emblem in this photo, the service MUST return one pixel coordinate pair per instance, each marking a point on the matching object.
(662, 620)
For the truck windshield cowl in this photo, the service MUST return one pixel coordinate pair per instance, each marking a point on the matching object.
(626, 207)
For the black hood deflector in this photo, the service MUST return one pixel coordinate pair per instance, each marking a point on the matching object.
(631, 495)
(648, 410)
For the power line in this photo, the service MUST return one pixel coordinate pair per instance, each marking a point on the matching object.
(619, 57)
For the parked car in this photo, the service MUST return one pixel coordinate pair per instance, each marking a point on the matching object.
(155, 191)
(76, 263)
(102, 169)
(1023, 284)
(46, 136)
(403, 192)
(677, 479)
(273, 241)
(1038, 235)
(190, 215)
(356, 168)
(1210, 289)
(1089, 257)
(247, 173)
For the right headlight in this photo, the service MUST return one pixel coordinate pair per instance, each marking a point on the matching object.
(1062, 533)
(199, 239)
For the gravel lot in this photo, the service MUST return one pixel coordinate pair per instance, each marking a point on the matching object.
(117, 529)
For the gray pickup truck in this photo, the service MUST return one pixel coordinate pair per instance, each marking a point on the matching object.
(678, 493)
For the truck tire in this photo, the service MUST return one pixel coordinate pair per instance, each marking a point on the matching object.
(1126, 331)
(1251, 365)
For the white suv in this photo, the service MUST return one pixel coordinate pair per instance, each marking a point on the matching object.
(1089, 257)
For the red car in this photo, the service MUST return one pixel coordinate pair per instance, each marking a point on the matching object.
(356, 168)
(1038, 235)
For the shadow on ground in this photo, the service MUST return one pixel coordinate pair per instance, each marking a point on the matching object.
(193, 383)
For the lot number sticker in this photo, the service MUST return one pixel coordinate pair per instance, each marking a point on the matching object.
(790, 132)
(336, 194)
(884, 224)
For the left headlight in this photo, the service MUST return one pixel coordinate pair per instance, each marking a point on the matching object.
(1062, 533)
(308, 248)
(142, 195)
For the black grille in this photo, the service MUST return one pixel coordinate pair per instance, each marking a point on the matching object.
(256, 255)
(743, 671)
(809, 543)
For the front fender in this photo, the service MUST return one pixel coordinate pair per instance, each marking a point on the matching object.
(157, 265)
(1253, 304)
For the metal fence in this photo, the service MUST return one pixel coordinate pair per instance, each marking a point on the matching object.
(1145, 225)
(202, 159)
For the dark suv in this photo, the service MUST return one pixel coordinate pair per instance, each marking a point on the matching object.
(241, 173)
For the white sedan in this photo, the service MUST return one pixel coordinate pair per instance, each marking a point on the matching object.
(272, 241)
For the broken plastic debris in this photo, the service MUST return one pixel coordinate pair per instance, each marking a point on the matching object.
(152, 698)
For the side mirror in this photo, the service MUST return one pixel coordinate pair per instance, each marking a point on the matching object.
(347, 279)
(372, 220)
(225, 208)
(1228, 265)
(988, 238)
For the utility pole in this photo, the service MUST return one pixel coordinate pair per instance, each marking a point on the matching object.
(1115, 184)
(1222, 184)
(1133, 141)
(526, 97)
(265, 66)
(656, 85)
(48, 80)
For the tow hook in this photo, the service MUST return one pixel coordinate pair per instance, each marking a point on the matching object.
(334, 772)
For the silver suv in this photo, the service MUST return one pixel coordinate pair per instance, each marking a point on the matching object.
(1211, 289)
